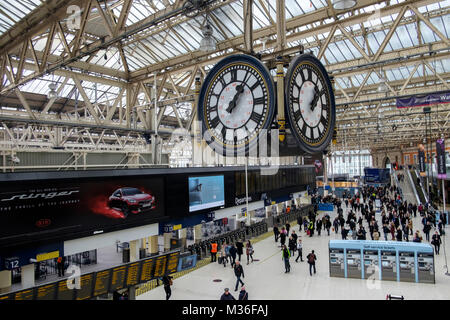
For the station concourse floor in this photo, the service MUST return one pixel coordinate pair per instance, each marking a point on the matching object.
(266, 279)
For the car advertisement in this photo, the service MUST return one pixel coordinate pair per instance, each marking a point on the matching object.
(68, 207)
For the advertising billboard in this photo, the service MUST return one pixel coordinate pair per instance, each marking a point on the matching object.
(45, 208)
(440, 158)
(206, 192)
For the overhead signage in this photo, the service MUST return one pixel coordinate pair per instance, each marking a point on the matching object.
(423, 100)
(422, 160)
(440, 158)
(47, 256)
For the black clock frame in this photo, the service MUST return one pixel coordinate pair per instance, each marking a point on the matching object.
(293, 66)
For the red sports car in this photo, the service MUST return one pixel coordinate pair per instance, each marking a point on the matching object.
(131, 200)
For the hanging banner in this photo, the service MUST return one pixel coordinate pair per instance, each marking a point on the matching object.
(440, 158)
(423, 100)
(422, 160)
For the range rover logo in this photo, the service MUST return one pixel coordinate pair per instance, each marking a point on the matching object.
(43, 223)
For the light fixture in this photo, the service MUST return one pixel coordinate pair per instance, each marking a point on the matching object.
(208, 43)
(52, 94)
(343, 4)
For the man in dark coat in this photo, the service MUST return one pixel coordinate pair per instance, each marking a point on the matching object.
(276, 232)
(238, 272)
(233, 252)
(227, 295)
(243, 295)
(436, 242)
(239, 248)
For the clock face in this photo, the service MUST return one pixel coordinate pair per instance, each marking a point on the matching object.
(236, 104)
(310, 103)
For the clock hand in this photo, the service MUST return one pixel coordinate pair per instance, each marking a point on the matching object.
(314, 101)
(232, 105)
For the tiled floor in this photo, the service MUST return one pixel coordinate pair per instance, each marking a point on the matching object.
(266, 279)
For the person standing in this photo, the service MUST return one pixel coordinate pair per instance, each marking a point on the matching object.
(336, 225)
(60, 266)
(283, 236)
(399, 234)
(167, 282)
(224, 251)
(243, 295)
(227, 295)
(239, 249)
(426, 230)
(319, 226)
(299, 249)
(285, 255)
(299, 222)
(276, 232)
(312, 262)
(238, 272)
(249, 251)
(213, 252)
(436, 242)
(288, 227)
(294, 236)
(328, 225)
(292, 245)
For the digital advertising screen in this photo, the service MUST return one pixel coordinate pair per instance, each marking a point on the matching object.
(206, 192)
(186, 263)
(69, 207)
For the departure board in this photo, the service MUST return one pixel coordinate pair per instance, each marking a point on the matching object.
(24, 294)
(133, 274)
(146, 270)
(101, 282)
(118, 278)
(6, 297)
(86, 283)
(64, 293)
(47, 292)
(160, 266)
(172, 262)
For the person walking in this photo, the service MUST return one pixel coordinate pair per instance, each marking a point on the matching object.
(249, 251)
(417, 237)
(243, 295)
(336, 225)
(328, 225)
(312, 262)
(233, 252)
(436, 242)
(238, 272)
(426, 230)
(239, 249)
(292, 245)
(399, 234)
(283, 236)
(276, 232)
(299, 222)
(285, 255)
(299, 249)
(213, 252)
(227, 295)
(319, 226)
(167, 282)
(288, 227)
(224, 251)
(376, 235)
(385, 232)
(294, 236)
(410, 225)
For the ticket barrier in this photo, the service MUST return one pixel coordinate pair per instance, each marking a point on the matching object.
(426, 267)
(389, 265)
(354, 264)
(371, 267)
(337, 266)
(407, 267)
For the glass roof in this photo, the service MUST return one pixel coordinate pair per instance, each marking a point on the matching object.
(167, 41)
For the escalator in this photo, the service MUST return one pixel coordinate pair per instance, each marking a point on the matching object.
(419, 189)
(405, 187)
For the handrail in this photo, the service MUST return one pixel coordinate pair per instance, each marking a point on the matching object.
(413, 186)
(421, 186)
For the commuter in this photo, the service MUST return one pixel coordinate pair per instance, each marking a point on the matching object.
(243, 295)
(441, 227)
(283, 236)
(436, 242)
(312, 262)
(410, 226)
(414, 207)
(344, 233)
(399, 234)
(60, 266)
(292, 245)
(311, 228)
(285, 255)
(392, 228)
(249, 251)
(227, 295)
(224, 254)
(238, 272)
(276, 232)
(426, 230)
(167, 282)
(319, 226)
(213, 252)
(294, 236)
(299, 222)
(359, 235)
(239, 248)
(336, 225)
(288, 227)
(233, 252)
(299, 249)
(417, 237)
(376, 235)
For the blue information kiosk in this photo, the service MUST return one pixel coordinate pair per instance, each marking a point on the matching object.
(385, 260)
